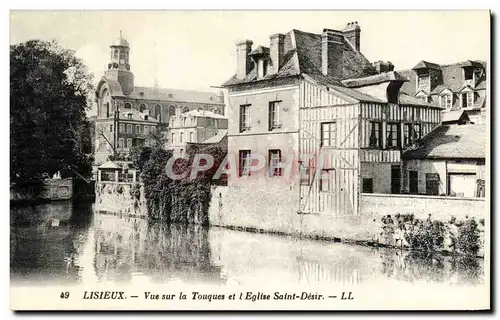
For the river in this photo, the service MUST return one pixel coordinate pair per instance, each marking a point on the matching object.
(63, 245)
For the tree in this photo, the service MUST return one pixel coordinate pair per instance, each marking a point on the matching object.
(49, 94)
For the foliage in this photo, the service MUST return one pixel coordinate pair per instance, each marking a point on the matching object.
(180, 201)
(429, 235)
(49, 132)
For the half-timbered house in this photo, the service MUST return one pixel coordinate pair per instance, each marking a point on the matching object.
(314, 102)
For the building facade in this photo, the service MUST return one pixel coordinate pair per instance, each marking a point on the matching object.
(195, 126)
(458, 86)
(450, 161)
(127, 113)
(314, 106)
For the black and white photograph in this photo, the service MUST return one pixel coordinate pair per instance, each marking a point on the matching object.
(250, 160)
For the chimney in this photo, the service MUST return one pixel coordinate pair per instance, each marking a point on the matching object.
(244, 62)
(277, 51)
(382, 66)
(332, 53)
(352, 32)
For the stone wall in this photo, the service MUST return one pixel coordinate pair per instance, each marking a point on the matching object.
(121, 197)
(54, 189)
(234, 208)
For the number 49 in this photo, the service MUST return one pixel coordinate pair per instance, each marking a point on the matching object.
(65, 295)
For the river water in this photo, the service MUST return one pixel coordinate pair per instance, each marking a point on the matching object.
(65, 244)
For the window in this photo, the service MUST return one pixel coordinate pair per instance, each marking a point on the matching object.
(375, 136)
(129, 128)
(367, 185)
(244, 163)
(417, 131)
(146, 129)
(122, 127)
(191, 137)
(407, 134)
(325, 182)
(180, 137)
(137, 129)
(185, 109)
(120, 143)
(329, 134)
(445, 101)
(432, 184)
(468, 73)
(129, 116)
(128, 106)
(173, 137)
(274, 109)
(274, 162)
(129, 143)
(423, 81)
(157, 112)
(467, 99)
(424, 99)
(146, 117)
(110, 128)
(142, 107)
(393, 140)
(413, 181)
(244, 118)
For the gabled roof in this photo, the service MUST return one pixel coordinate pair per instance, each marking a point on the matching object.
(451, 142)
(109, 165)
(426, 65)
(221, 134)
(162, 94)
(375, 79)
(303, 56)
(470, 63)
(405, 99)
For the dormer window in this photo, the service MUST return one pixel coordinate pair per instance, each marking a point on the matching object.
(467, 99)
(468, 73)
(445, 101)
(424, 82)
(262, 65)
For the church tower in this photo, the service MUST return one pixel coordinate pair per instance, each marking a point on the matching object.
(119, 66)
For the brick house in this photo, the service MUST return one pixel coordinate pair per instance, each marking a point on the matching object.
(127, 113)
(309, 97)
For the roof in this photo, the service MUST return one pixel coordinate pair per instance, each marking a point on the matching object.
(302, 55)
(405, 99)
(203, 113)
(452, 79)
(453, 116)
(260, 50)
(120, 42)
(375, 79)
(451, 142)
(136, 115)
(426, 65)
(109, 165)
(215, 139)
(164, 94)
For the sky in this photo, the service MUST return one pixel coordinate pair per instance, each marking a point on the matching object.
(196, 49)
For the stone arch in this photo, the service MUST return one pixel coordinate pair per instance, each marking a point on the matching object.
(127, 105)
(115, 54)
(171, 111)
(185, 109)
(142, 107)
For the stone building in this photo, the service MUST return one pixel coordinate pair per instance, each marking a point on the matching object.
(195, 126)
(312, 96)
(127, 113)
(457, 86)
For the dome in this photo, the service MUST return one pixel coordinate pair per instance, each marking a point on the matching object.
(120, 41)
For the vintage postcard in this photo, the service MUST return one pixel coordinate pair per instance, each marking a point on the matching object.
(250, 160)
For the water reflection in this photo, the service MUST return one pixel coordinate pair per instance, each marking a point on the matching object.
(87, 247)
